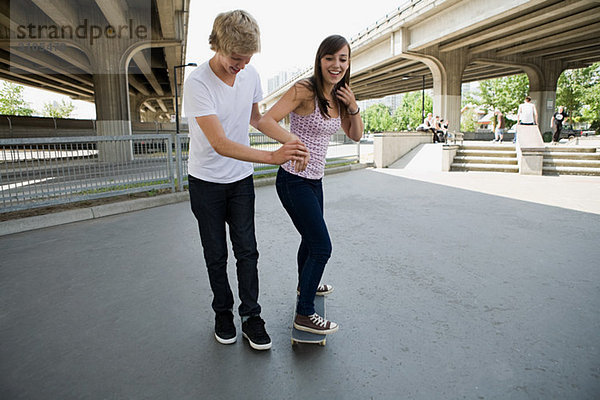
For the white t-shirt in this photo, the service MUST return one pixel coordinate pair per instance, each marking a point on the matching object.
(527, 111)
(206, 94)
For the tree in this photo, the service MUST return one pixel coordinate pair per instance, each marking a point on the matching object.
(11, 100)
(408, 115)
(504, 94)
(468, 120)
(377, 118)
(58, 110)
(578, 90)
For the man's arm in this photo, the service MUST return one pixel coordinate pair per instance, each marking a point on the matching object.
(212, 128)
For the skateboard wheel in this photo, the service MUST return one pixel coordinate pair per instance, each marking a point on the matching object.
(323, 342)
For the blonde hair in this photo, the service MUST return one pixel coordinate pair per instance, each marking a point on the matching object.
(235, 32)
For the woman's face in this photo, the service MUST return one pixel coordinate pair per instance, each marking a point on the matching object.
(334, 66)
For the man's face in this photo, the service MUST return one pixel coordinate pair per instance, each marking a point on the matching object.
(234, 63)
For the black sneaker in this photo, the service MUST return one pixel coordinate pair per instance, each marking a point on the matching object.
(225, 328)
(254, 330)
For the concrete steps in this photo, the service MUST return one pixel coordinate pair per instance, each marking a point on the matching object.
(560, 160)
(490, 158)
(503, 158)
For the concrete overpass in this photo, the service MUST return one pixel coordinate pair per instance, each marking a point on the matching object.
(439, 44)
(118, 53)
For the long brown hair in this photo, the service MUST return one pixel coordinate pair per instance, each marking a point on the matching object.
(330, 45)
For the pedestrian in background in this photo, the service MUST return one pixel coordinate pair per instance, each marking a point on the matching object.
(527, 115)
(500, 127)
(557, 122)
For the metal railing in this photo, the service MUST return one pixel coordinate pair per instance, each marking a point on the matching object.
(39, 172)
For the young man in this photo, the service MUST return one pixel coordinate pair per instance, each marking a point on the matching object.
(221, 100)
(500, 127)
(527, 115)
(557, 122)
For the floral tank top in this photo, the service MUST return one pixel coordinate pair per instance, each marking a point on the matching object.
(314, 130)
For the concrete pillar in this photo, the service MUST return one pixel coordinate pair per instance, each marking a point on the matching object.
(542, 90)
(134, 108)
(112, 104)
(454, 63)
(112, 116)
(447, 70)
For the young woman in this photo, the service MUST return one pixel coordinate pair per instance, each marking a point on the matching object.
(318, 107)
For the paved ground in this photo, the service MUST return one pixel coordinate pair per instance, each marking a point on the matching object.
(445, 289)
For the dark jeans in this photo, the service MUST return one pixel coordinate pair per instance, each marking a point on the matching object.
(303, 200)
(556, 136)
(214, 205)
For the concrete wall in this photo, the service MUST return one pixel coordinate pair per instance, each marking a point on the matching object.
(389, 147)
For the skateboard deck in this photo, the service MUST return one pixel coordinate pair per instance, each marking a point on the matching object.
(307, 337)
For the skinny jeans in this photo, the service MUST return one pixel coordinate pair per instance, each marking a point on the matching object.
(217, 204)
(302, 198)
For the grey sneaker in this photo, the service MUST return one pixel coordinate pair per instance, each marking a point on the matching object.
(314, 324)
(322, 290)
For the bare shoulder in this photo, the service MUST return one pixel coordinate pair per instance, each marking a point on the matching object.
(304, 94)
(303, 90)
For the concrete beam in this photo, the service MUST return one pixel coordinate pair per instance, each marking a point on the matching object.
(142, 62)
(461, 17)
(43, 82)
(139, 86)
(563, 48)
(166, 14)
(114, 11)
(60, 11)
(53, 63)
(149, 106)
(49, 77)
(161, 104)
(580, 54)
(563, 37)
(528, 20)
(540, 31)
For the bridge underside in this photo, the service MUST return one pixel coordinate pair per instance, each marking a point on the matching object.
(119, 54)
(536, 32)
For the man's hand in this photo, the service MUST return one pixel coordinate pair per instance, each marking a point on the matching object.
(293, 150)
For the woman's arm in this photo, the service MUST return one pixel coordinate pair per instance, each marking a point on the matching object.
(352, 123)
(290, 101)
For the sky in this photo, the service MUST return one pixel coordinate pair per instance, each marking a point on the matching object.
(291, 31)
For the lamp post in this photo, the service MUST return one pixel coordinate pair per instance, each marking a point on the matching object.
(176, 94)
(423, 100)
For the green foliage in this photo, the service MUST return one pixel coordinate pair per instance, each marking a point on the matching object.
(11, 100)
(408, 116)
(377, 118)
(58, 110)
(579, 92)
(468, 121)
(504, 94)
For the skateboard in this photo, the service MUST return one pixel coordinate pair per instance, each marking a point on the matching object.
(307, 337)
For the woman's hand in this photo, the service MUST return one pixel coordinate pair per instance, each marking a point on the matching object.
(346, 96)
